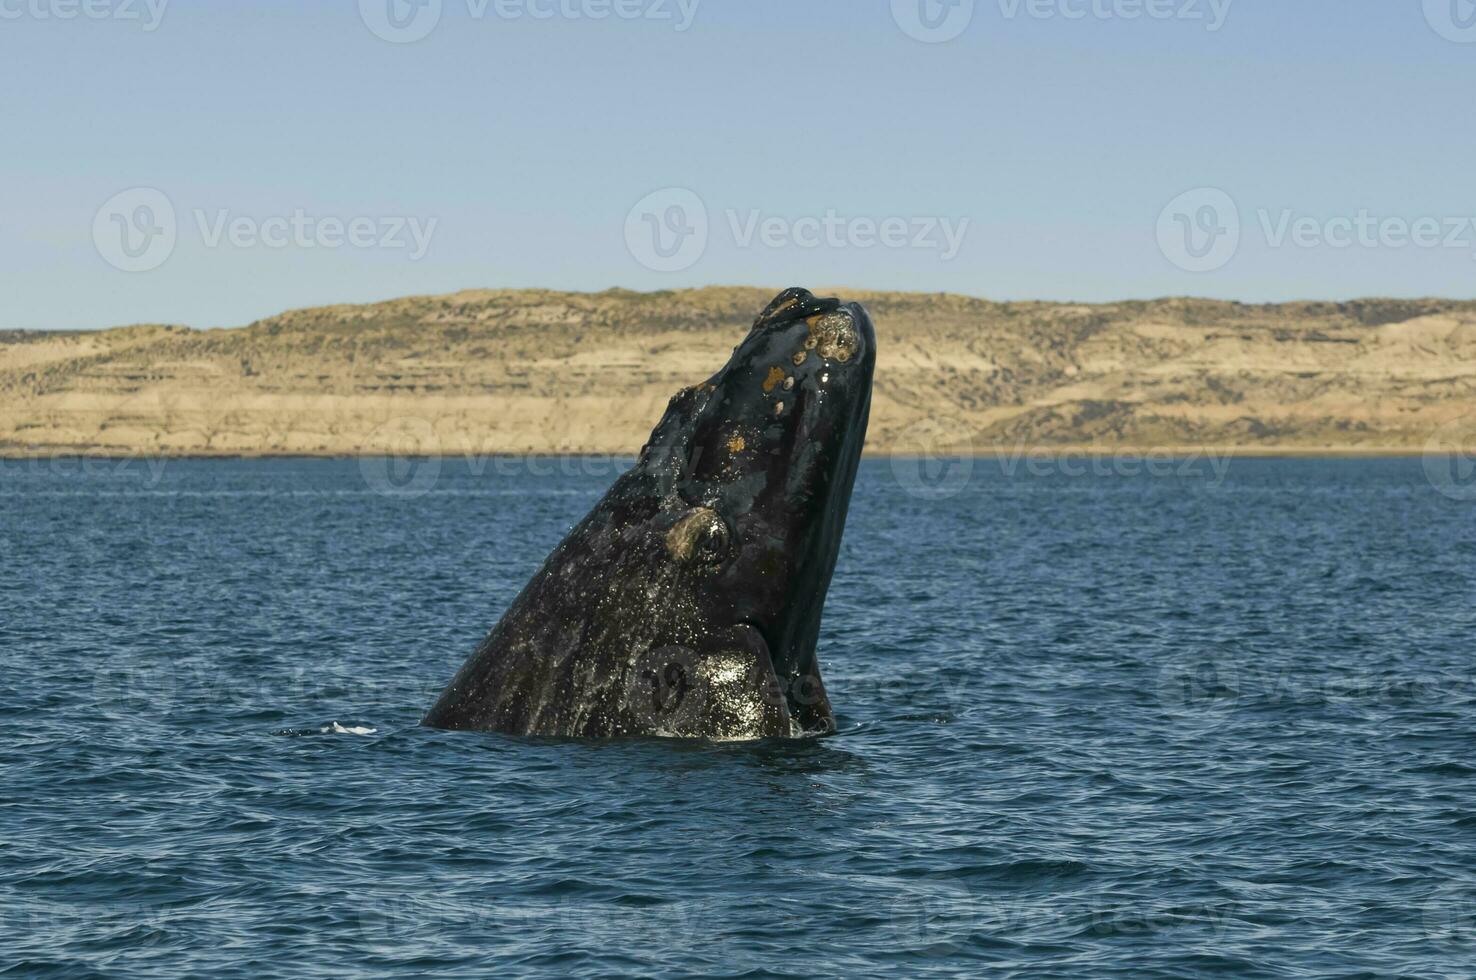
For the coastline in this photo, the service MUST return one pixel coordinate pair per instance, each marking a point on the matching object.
(534, 372)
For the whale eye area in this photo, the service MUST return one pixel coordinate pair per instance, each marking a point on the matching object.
(700, 537)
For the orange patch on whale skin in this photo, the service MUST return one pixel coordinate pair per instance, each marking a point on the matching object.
(737, 444)
(775, 378)
(699, 389)
(777, 310)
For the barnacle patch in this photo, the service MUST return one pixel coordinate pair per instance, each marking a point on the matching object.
(688, 533)
(834, 335)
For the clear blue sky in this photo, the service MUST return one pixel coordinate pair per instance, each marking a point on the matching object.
(529, 140)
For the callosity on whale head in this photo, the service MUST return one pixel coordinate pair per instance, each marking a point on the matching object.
(688, 602)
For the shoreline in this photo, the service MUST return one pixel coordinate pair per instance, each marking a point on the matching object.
(493, 373)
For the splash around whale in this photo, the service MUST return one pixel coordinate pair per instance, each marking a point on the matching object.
(687, 604)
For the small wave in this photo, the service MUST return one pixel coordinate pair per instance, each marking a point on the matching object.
(332, 728)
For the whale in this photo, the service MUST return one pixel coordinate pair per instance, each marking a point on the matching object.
(687, 604)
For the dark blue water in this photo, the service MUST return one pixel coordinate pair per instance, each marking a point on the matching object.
(1096, 721)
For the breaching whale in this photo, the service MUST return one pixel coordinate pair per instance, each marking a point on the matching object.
(687, 604)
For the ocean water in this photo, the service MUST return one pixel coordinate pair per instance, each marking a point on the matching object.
(1099, 719)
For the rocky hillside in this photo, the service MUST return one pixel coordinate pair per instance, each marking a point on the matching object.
(536, 371)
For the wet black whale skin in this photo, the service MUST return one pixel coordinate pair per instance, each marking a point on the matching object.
(688, 602)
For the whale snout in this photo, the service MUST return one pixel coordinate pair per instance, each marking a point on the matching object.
(801, 334)
(857, 336)
(777, 451)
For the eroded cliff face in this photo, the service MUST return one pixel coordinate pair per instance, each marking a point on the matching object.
(535, 371)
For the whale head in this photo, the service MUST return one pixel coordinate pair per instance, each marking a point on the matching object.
(688, 602)
(757, 465)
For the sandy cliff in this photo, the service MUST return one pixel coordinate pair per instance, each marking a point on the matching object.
(530, 370)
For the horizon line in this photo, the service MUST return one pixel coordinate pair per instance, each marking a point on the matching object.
(838, 290)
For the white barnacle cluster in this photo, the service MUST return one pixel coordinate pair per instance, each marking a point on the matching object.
(834, 336)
